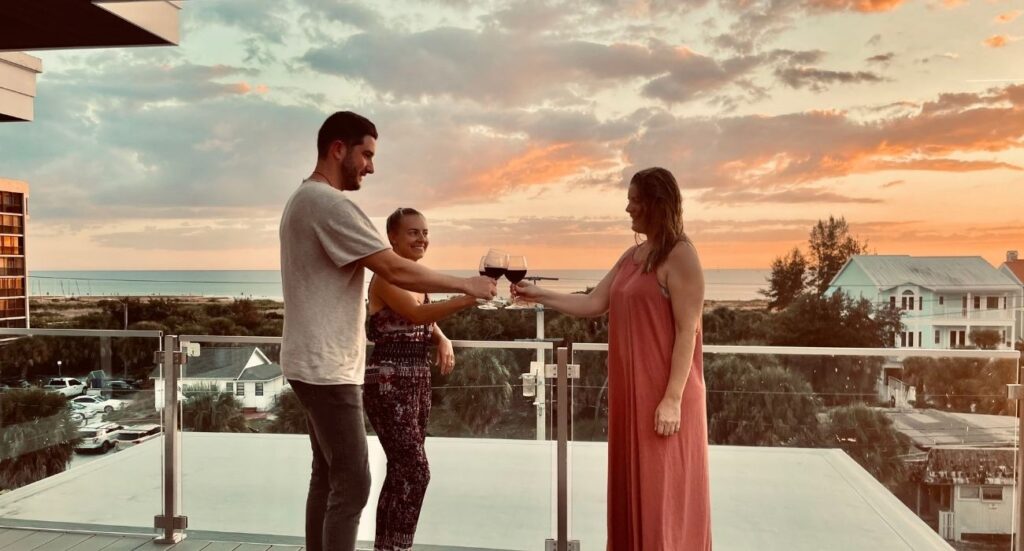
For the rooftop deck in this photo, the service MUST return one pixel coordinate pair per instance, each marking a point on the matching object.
(484, 494)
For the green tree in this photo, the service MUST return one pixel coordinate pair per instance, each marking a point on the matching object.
(787, 281)
(479, 390)
(967, 385)
(208, 409)
(831, 245)
(37, 436)
(136, 353)
(835, 320)
(26, 356)
(289, 417)
(867, 435)
(735, 326)
(759, 403)
(986, 339)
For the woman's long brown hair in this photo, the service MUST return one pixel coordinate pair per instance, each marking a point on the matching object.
(662, 203)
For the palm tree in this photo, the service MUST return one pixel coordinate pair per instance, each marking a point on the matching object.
(479, 391)
(868, 436)
(37, 438)
(289, 417)
(136, 354)
(209, 409)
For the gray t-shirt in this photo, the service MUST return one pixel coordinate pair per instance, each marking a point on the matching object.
(323, 235)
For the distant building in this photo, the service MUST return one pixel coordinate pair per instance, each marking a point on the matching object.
(1014, 268)
(14, 309)
(243, 371)
(943, 299)
(970, 490)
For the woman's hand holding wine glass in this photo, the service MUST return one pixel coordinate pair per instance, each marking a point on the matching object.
(493, 265)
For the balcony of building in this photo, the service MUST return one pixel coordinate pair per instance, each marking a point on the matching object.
(515, 485)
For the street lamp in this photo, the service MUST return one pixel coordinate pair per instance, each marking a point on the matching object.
(58, 368)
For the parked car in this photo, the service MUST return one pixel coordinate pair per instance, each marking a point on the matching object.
(97, 437)
(14, 384)
(81, 413)
(135, 434)
(121, 388)
(106, 405)
(68, 386)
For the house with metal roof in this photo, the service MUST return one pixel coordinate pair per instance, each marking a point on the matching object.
(944, 299)
(970, 489)
(1014, 269)
(244, 371)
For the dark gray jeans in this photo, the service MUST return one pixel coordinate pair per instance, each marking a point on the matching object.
(340, 484)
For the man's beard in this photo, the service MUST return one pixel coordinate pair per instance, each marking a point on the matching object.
(349, 174)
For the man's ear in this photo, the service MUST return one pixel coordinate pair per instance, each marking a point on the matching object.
(339, 149)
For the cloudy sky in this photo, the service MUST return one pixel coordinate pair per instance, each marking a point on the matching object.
(517, 124)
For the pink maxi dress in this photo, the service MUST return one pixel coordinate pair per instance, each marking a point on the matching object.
(658, 487)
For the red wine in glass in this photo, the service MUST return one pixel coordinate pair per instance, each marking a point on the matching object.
(515, 276)
(494, 272)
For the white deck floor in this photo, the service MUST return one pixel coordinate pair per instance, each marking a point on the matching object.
(492, 494)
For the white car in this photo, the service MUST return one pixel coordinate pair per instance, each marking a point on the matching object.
(135, 434)
(99, 403)
(68, 386)
(81, 413)
(98, 437)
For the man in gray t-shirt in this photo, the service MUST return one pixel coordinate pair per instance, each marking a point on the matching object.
(326, 243)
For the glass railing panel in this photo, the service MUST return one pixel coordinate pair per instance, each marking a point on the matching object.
(80, 432)
(911, 444)
(588, 449)
(485, 462)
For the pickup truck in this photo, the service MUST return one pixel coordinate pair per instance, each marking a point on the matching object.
(68, 386)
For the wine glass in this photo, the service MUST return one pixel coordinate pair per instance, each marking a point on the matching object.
(493, 265)
(515, 273)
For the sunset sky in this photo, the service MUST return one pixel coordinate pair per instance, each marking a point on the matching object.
(518, 124)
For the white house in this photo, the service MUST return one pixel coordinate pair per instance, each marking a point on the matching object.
(972, 490)
(1014, 269)
(244, 371)
(943, 299)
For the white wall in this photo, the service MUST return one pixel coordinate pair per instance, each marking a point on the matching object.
(977, 516)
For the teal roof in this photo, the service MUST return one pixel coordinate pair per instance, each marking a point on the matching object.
(933, 272)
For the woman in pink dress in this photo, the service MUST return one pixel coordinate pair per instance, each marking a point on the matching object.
(658, 485)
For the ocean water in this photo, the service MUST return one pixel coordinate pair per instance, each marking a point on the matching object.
(720, 284)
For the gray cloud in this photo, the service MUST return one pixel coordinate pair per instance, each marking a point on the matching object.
(480, 66)
(820, 79)
(352, 14)
(267, 19)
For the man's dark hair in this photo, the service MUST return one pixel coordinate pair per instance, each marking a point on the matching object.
(346, 126)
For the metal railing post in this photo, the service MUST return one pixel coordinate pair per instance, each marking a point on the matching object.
(564, 411)
(1016, 392)
(540, 400)
(171, 521)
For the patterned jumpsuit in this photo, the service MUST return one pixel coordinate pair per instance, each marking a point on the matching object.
(396, 398)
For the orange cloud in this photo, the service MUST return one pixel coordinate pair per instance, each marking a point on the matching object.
(863, 6)
(1008, 16)
(540, 165)
(950, 4)
(240, 88)
(763, 155)
(998, 40)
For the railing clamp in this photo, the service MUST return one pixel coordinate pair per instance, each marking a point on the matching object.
(572, 371)
(1014, 392)
(180, 358)
(552, 545)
